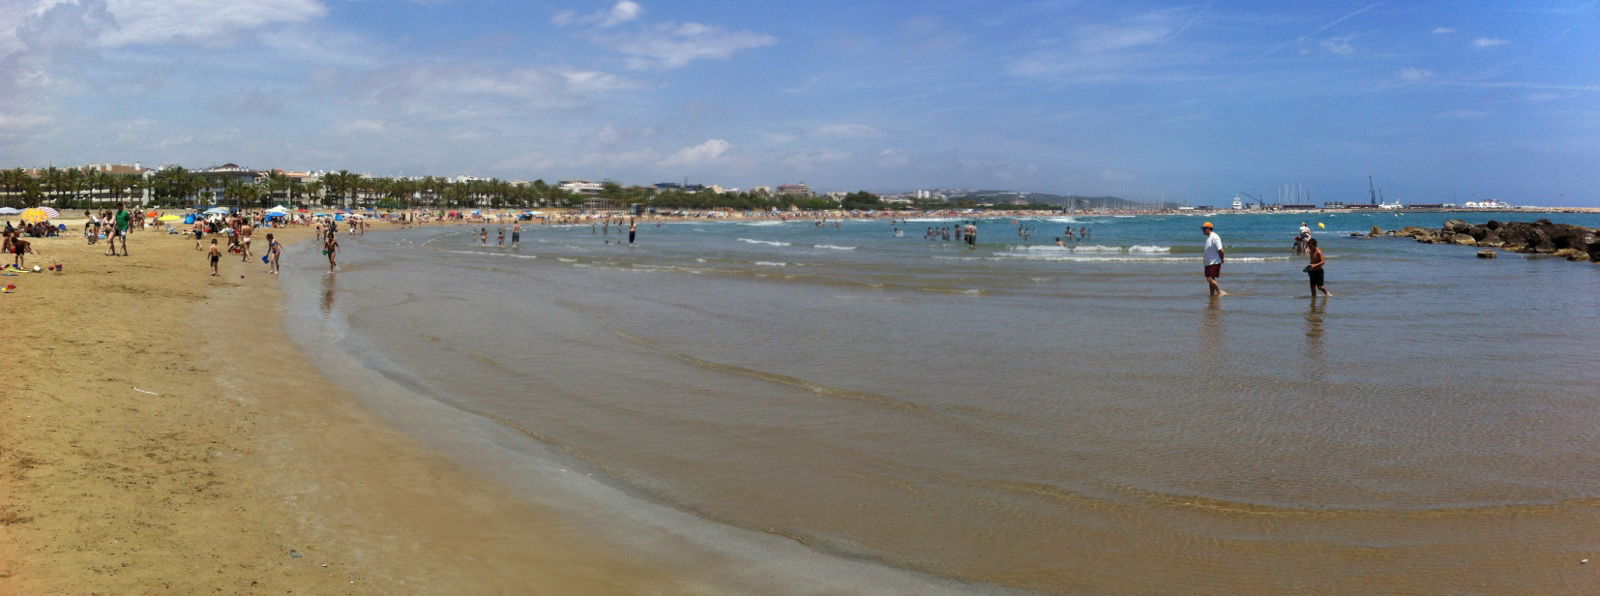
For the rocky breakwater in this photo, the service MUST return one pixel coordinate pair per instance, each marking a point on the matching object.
(1571, 242)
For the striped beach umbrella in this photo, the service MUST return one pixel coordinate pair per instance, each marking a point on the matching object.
(36, 214)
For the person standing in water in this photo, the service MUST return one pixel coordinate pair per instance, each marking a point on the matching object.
(331, 248)
(1315, 269)
(633, 231)
(972, 235)
(1213, 259)
(516, 234)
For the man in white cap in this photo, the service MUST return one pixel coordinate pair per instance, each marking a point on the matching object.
(1213, 259)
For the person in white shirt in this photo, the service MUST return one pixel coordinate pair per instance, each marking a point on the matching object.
(1213, 259)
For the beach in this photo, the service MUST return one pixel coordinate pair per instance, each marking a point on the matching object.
(782, 407)
(162, 435)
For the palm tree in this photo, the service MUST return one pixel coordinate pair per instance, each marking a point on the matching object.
(278, 182)
(314, 191)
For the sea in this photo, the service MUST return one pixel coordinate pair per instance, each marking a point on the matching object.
(1014, 415)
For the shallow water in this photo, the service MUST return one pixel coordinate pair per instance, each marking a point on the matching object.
(1023, 415)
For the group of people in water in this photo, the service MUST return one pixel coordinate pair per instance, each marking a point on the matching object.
(1213, 256)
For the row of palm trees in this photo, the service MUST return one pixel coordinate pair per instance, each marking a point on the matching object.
(75, 188)
(65, 187)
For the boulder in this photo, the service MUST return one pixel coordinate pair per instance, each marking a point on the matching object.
(1466, 239)
(1409, 232)
(1457, 226)
(1571, 254)
(1376, 232)
(1486, 253)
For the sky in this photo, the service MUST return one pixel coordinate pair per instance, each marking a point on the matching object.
(1443, 101)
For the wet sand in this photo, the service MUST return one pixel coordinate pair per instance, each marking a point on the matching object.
(161, 434)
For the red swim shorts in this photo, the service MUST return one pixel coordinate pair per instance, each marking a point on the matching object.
(1214, 271)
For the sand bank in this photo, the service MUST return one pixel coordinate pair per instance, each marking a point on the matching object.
(161, 434)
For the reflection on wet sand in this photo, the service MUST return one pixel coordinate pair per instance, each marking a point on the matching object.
(1316, 362)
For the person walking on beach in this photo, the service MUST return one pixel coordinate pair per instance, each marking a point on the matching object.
(1213, 259)
(199, 232)
(215, 254)
(120, 230)
(1315, 269)
(244, 240)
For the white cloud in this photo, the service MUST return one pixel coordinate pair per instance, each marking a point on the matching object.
(1487, 42)
(848, 130)
(1411, 73)
(452, 90)
(809, 160)
(672, 45)
(539, 161)
(162, 21)
(1111, 38)
(892, 158)
(9, 121)
(1339, 45)
(1442, 31)
(701, 154)
(360, 126)
(619, 13)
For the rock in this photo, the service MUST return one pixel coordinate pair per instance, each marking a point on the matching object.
(1487, 253)
(1355, 234)
(1410, 232)
(1457, 226)
(1466, 239)
(1496, 242)
(1571, 254)
(1376, 232)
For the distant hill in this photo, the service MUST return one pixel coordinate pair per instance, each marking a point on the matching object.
(1074, 201)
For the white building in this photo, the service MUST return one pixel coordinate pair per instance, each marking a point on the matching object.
(582, 187)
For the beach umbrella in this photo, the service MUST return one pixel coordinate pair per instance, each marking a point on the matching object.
(50, 212)
(9, 211)
(35, 215)
(278, 209)
(151, 214)
(218, 211)
(170, 218)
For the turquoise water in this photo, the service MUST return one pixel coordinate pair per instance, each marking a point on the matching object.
(1024, 415)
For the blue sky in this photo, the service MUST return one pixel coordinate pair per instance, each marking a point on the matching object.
(1439, 101)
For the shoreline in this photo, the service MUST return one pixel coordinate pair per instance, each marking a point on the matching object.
(214, 456)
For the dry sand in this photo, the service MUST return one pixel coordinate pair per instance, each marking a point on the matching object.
(242, 470)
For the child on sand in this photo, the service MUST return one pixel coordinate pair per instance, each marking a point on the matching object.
(215, 254)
